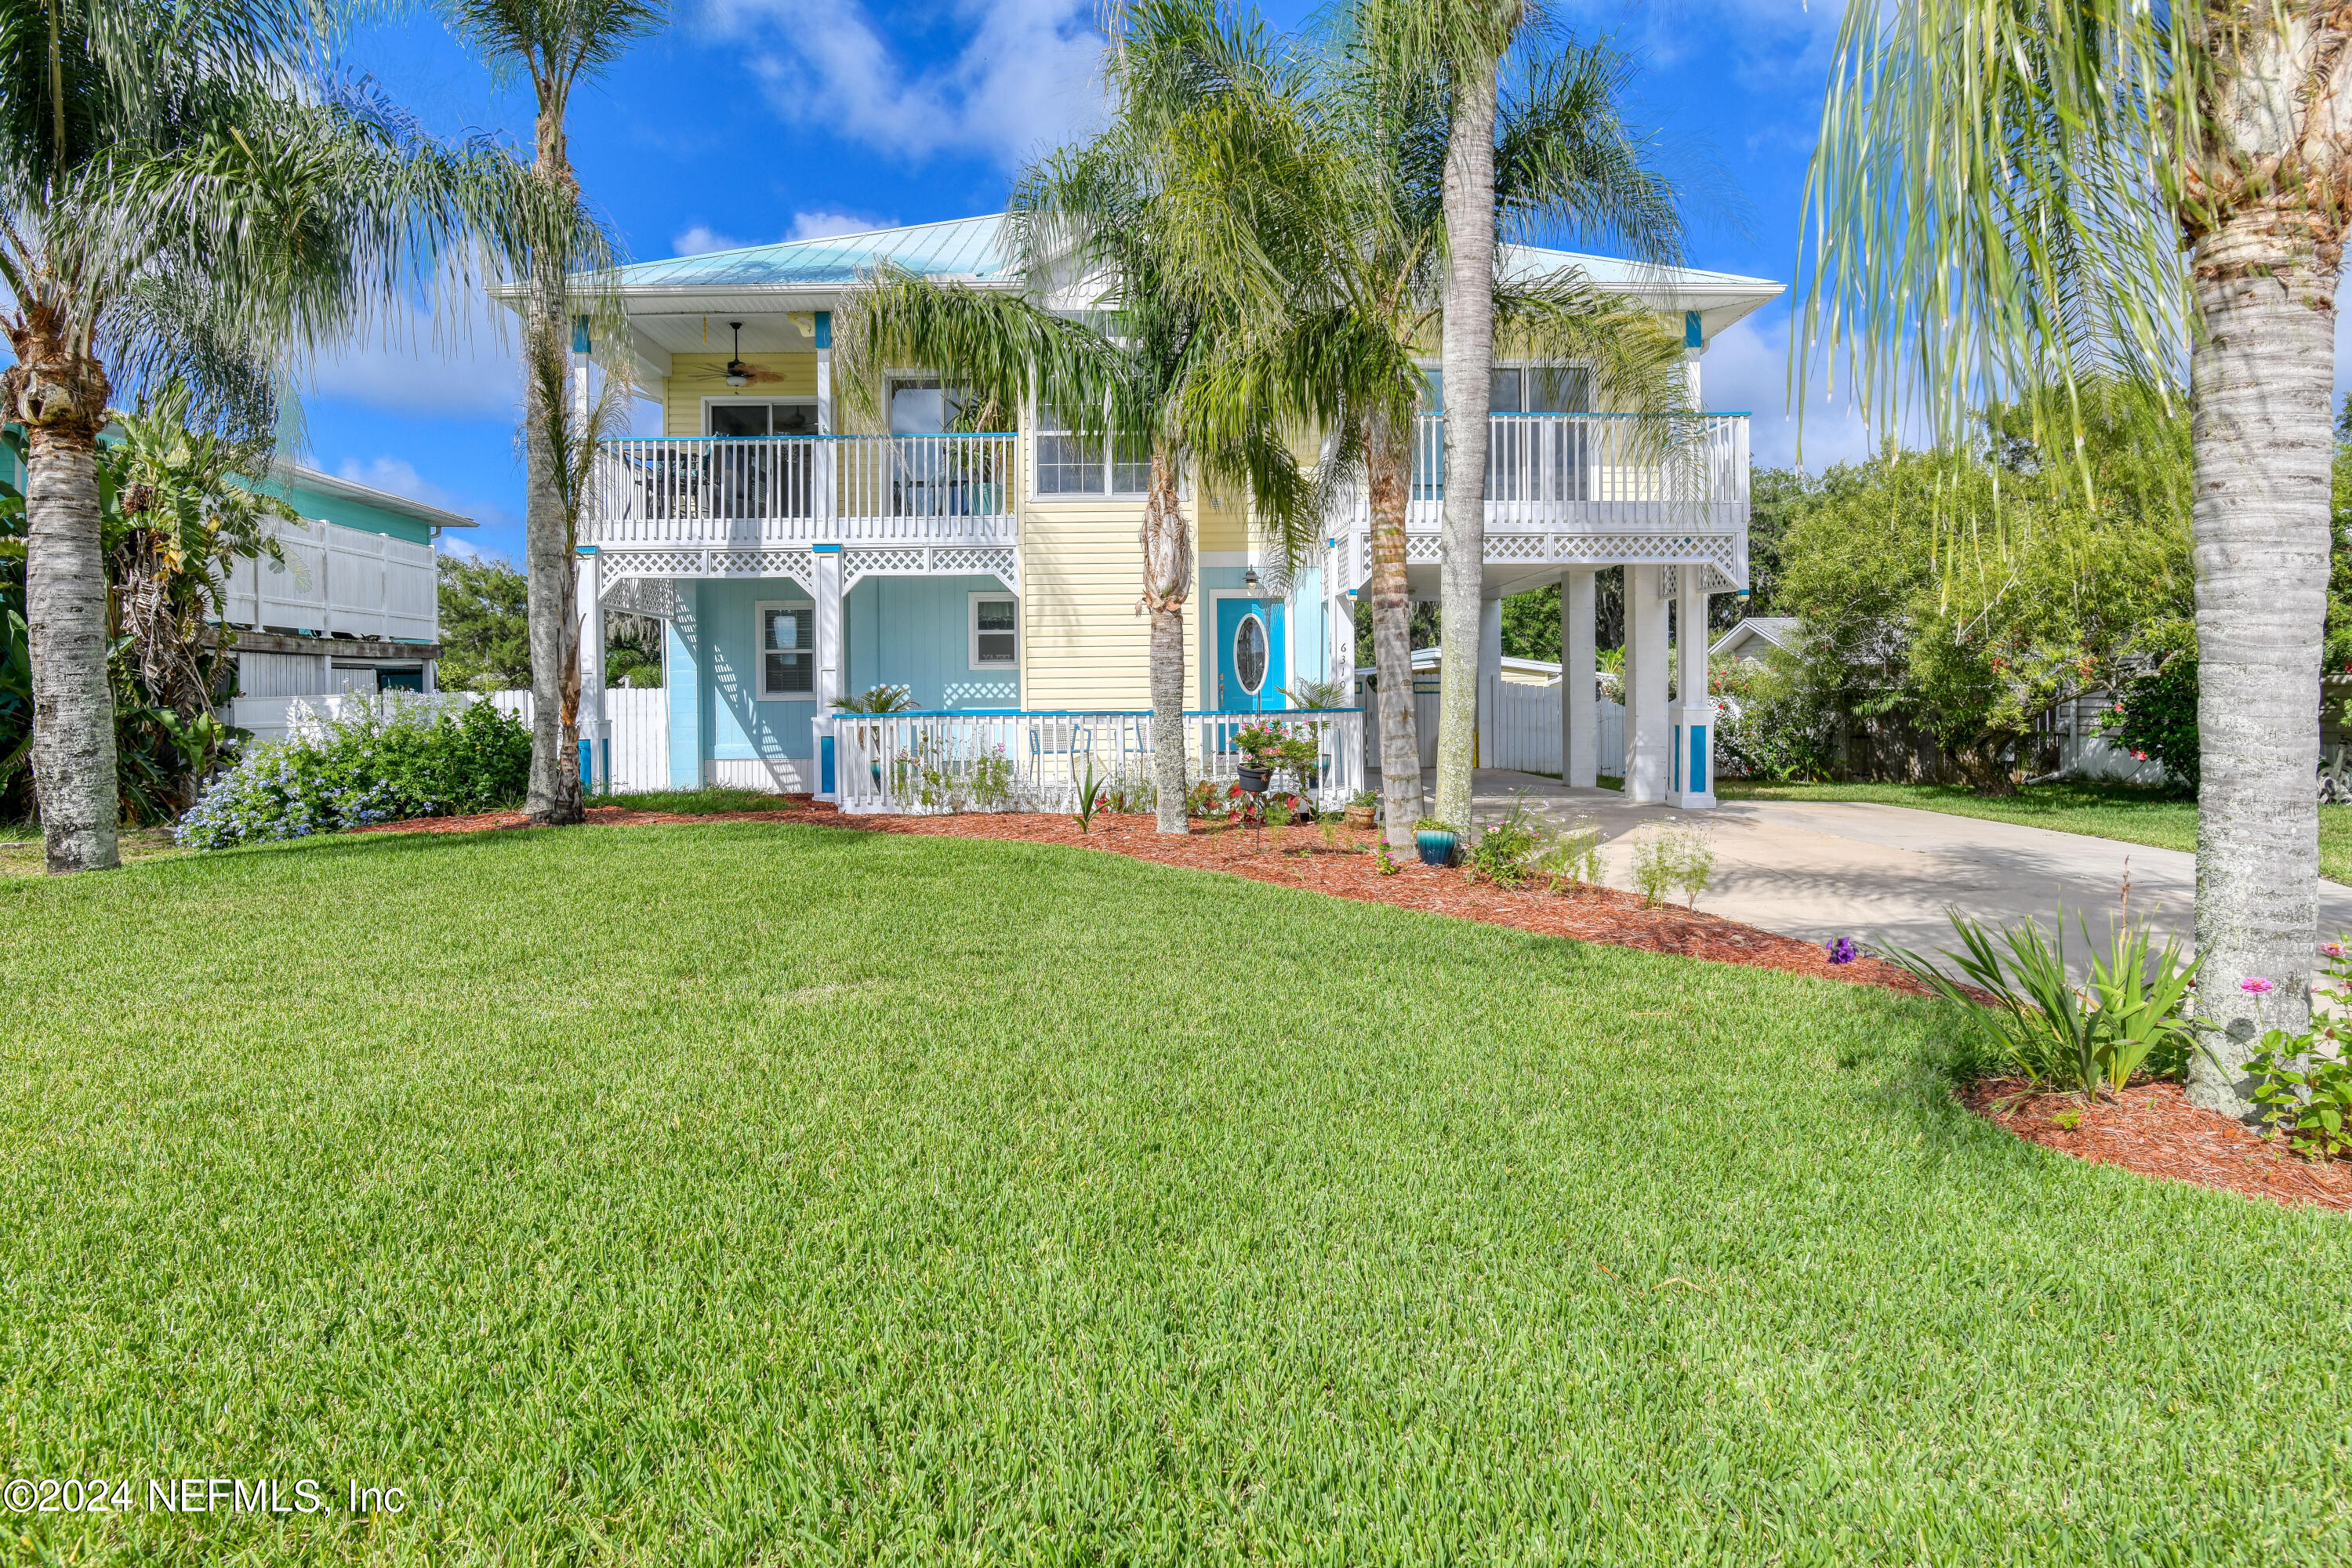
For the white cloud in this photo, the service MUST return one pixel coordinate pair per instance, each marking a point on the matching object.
(1747, 367)
(823, 225)
(399, 475)
(1026, 75)
(699, 240)
(455, 362)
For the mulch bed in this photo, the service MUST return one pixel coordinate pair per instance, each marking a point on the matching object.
(2153, 1130)
(1298, 856)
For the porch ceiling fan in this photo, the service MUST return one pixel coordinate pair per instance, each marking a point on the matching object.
(738, 372)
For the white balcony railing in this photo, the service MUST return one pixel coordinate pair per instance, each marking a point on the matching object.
(337, 579)
(935, 763)
(802, 490)
(1592, 471)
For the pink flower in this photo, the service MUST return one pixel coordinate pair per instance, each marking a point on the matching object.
(2139, 756)
(2256, 984)
(2332, 949)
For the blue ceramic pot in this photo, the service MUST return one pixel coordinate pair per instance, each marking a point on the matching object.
(1437, 846)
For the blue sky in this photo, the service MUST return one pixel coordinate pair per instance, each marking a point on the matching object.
(751, 121)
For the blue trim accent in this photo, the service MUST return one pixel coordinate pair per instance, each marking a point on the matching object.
(1693, 335)
(587, 767)
(583, 550)
(824, 764)
(825, 549)
(824, 329)
(1698, 759)
(580, 342)
(1674, 762)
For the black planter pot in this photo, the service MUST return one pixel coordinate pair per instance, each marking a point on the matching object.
(1255, 780)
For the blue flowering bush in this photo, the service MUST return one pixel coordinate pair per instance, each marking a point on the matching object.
(384, 761)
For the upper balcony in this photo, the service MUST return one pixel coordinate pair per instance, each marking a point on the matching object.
(1568, 490)
(801, 490)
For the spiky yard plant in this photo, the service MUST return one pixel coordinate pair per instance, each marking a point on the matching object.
(555, 45)
(2010, 191)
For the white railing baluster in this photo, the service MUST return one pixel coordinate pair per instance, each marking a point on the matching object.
(794, 490)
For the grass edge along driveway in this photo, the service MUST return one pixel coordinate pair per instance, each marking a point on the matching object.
(742, 1192)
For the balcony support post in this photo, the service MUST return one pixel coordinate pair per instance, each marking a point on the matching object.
(1693, 783)
(830, 652)
(1580, 712)
(596, 731)
(1648, 738)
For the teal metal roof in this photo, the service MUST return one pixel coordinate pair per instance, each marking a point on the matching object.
(968, 248)
(965, 247)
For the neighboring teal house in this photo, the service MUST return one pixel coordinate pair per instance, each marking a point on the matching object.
(355, 605)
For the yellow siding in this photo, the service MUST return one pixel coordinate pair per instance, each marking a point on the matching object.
(1083, 643)
(1224, 524)
(695, 377)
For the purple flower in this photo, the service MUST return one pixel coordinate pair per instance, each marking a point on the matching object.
(2256, 984)
(1842, 951)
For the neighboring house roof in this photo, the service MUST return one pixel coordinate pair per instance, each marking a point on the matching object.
(297, 477)
(1428, 661)
(1777, 631)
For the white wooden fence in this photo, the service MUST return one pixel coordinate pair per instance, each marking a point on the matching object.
(338, 579)
(640, 750)
(1518, 728)
(931, 764)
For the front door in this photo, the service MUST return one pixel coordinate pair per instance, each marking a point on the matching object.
(1249, 655)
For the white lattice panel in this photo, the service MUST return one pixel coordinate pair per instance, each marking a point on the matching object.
(966, 561)
(642, 596)
(904, 560)
(652, 562)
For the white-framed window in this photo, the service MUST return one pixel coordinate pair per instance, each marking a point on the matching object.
(787, 633)
(1522, 388)
(756, 416)
(995, 631)
(1069, 464)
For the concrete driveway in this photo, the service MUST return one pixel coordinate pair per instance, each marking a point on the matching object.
(1882, 873)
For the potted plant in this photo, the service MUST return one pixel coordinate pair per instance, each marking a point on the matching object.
(1262, 745)
(1440, 843)
(1364, 810)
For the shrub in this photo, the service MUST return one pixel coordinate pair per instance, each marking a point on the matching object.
(2127, 1019)
(1571, 858)
(384, 761)
(1655, 869)
(1505, 853)
(1771, 725)
(2154, 716)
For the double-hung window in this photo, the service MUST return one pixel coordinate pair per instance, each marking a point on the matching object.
(787, 650)
(995, 631)
(1070, 464)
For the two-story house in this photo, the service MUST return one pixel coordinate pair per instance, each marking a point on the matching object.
(795, 555)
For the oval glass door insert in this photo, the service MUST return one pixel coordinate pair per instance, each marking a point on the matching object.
(1249, 652)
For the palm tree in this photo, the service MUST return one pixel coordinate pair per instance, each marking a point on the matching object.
(1343, 193)
(557, 43)
(2007, 193)
(1154, 362)
(180, 200)
(1552, 153)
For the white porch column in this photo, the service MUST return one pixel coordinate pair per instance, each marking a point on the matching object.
(596, 731)
(827, 518)
(1579, 713)
(1693, 770)
(1490, 675)
(832, 657)
(1647, 735)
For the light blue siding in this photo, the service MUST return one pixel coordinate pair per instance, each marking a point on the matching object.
(349, 512)
(742, 725)
(682, 675)
(916, 632)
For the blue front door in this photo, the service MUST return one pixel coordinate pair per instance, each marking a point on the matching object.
(1250, 673)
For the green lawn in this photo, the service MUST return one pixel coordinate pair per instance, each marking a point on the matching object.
(751, 1193)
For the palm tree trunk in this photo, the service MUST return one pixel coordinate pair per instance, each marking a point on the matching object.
(58, 393)
(1389, 465)
(1468, 358)
(1167, 578)
(2260, 377)
(550, 593)
(64, 621)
